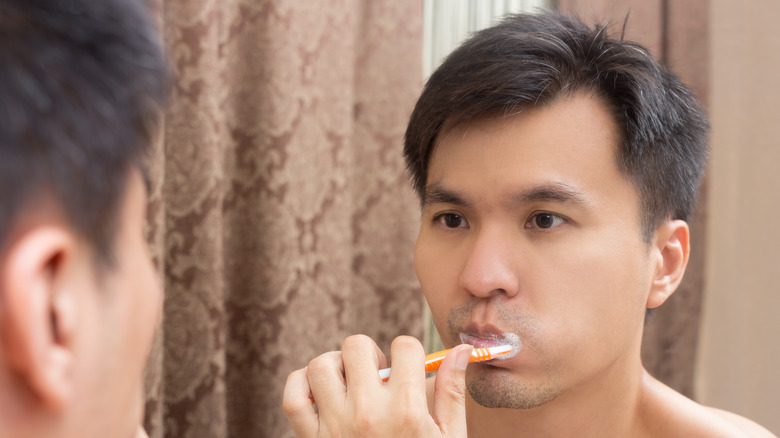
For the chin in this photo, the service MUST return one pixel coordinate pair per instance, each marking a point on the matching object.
(497, 387)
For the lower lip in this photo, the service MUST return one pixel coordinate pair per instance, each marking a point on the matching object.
(510, 339)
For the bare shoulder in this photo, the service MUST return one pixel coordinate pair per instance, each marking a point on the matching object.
(670, 414)
(749, 427)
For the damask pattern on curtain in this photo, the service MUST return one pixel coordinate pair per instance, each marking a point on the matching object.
(280, 217)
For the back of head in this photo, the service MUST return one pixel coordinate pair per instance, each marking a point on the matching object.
(81, 86)
(531, 60)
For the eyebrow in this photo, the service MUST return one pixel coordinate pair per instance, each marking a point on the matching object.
(551, 192)
(436, 194)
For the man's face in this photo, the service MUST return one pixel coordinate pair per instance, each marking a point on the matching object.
(531, 236)
(120, 314)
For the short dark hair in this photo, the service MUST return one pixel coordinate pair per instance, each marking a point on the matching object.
(530, 60)
(82, 86)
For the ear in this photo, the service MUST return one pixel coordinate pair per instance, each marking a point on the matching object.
(38, 314)
(672, 246)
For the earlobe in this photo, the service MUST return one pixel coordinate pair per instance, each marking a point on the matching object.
(673, 247)
(37, 316)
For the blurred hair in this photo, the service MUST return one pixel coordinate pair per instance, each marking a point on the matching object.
(82, 85)
(531, 60)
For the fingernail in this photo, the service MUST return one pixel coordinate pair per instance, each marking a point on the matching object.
(462, 361)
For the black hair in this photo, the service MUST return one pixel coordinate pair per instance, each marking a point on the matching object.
(530, 60)
(82, 86)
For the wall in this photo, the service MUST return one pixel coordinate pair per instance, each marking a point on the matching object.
(739, 350)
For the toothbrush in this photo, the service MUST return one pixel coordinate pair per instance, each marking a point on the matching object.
(434, 360)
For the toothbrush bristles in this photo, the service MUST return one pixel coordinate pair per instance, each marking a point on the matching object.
(487, 353)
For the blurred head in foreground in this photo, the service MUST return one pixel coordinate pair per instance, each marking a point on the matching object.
(82, 85)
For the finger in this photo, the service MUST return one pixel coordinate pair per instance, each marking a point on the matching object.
(449, 397)
(297, 405)
(408, 367)
(362, 360)
(325, 374)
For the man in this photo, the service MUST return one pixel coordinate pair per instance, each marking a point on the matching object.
(556, 168)
(81, 88)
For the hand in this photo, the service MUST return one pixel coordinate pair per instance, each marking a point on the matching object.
(367, 407)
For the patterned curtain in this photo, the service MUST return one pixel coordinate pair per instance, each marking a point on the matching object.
(281, 218)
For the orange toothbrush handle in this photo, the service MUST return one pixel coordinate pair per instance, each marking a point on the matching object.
(434, 360)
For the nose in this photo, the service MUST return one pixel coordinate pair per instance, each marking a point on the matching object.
(491, 265)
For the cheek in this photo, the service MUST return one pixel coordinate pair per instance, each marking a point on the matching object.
(150, 307)
(142, 298)
(437, 266)
(601, 292)
(618, 277)
(424, 265)
(438, 274)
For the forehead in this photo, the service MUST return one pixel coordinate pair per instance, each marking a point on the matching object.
(572, 141)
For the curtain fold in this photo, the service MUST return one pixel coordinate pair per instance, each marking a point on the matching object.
(280, 214)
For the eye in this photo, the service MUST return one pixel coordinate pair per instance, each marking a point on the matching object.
(451, 220)
(545, 220)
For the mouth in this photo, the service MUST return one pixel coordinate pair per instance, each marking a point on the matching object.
(482, 340)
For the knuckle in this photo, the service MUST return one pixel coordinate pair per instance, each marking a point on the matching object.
(357, 342)
(315, 365)
(289, 402)
(291, 406)
(323, 362)
(296, 375)
(365, 423)
(407, 343)
(411, 419)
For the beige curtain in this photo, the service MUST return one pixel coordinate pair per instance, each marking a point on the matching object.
(280, 217)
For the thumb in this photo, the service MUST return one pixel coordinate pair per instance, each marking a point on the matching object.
(449, 397)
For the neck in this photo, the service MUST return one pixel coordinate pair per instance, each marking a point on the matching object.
(21, 413)
(606, 405)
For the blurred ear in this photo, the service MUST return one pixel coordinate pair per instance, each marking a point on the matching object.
(38, 313)
(672, 248)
